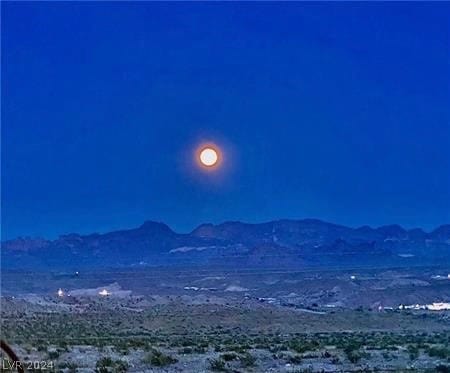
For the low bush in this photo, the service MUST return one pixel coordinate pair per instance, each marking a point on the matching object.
(159, 359)
(217, 365)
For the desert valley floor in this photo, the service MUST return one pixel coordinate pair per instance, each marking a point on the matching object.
(203, 320)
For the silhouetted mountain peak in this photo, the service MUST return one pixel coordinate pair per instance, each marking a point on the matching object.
(155, 227)
(442, 232)
(365, 229)
(393, 230)
(300, 240)
(204, 230)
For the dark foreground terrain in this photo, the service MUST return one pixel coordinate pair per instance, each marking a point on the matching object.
(156, 320)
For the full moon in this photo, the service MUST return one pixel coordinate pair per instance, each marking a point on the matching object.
(209, 157)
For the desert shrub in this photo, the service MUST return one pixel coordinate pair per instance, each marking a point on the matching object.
(272, 348)
(199, 349)
(63, 345)
(335, 360)
(41, 347)
(439, 352)
(326, 354)
(443, 368)
(122, 348)
(294, 359)
(352, 345)
(300, 345)
(70, 367)
(239, 348)
(106, 365)
(53, 355)
(413, 352)
(135, 343)
(217, 365)
(353, 355)
(229, 356)
(247, 360)
(120, 366)
(159, 359)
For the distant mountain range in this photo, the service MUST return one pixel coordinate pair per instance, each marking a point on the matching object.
(280, 243)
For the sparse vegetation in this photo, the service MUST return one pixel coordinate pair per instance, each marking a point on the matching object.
(177, 335)
(437, 351)
(159, 359)
(294, 359)
(108, 365)
(441, 368)
(247, 360)
(217, 365)
(229, 356)
(70, 367)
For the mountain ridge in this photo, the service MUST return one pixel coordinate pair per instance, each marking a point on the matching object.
(234, 242)
(441, 229)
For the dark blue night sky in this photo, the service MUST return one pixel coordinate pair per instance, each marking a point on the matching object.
(326, 110)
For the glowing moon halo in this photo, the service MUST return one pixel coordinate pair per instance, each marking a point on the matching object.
(208, 157)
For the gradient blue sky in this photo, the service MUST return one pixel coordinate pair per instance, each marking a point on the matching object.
(338, 111)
